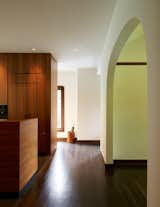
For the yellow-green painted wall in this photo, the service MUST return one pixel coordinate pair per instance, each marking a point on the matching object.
(134, 51)
(130, 113)
(130, 102)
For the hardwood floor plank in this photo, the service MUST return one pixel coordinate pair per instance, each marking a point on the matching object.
(77, 178)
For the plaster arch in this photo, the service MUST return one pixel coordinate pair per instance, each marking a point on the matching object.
(147, 12)
(122, 39)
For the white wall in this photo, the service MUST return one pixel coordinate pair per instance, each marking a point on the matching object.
(148, 12)
(68, 80)
(88, 111)
(82, 102)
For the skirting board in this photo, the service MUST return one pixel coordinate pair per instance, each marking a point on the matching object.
(124, 163)
(142, 163)
(89, 142)
(127, 163)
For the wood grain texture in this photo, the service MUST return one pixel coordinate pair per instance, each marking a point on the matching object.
(29, 93)
(77, 178)
(9, 156)
(28, 150)
(3, 80)
(18, 153)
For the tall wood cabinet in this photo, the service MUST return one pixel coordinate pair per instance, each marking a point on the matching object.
(31, 92)
(3, 80)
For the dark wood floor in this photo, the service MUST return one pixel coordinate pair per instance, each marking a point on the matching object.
(77, 178)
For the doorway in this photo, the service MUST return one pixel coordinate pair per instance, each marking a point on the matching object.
(130, 108)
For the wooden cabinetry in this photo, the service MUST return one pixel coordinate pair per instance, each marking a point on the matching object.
(3, 80)
(18, 154)
(30, 94)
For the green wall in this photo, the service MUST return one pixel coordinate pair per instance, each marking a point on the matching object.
(134, 49)
(130, 102)
(130, 113)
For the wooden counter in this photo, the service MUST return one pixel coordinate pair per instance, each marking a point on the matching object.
(18, 153)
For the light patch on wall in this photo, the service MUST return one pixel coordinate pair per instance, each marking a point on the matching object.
(130, 113)
(134, 50)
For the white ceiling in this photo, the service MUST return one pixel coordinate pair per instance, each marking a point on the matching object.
(73, 30)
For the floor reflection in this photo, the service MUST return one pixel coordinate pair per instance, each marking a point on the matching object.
(77, 178)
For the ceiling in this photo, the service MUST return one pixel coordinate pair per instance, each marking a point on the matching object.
(73, 31)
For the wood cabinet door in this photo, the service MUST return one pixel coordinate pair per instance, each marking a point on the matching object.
(29, 94)
(24, 103)
(3, 80)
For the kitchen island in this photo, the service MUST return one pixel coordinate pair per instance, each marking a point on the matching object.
(18, 154)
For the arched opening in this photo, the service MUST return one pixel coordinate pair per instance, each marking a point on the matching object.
(130, 97)
(129, 60)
